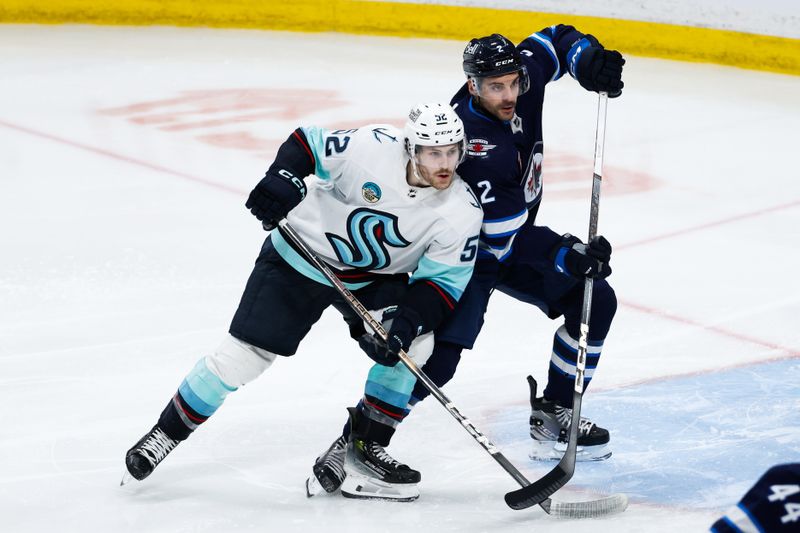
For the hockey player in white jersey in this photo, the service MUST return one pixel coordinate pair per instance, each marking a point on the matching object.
(386, 210)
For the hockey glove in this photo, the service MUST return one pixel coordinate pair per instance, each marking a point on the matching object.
(596, 68)
(402, 326)
(578, 260)
(274, 196)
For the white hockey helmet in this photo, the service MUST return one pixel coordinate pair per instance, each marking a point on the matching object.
(433, 125)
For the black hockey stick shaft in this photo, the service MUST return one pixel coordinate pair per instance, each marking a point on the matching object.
(543, 488)
(377, 327)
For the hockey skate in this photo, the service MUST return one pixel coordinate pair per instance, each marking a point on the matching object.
(371, 473)
(550, 430)
(146, 454)
(328, 471)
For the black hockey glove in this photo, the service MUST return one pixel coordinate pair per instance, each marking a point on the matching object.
(596, 68)
(274, 196)
(578, 260)
(402, 325)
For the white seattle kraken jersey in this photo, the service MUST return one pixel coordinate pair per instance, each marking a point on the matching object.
(360, 213)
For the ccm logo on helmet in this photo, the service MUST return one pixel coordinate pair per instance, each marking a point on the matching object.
(448, 132)
(503, 62)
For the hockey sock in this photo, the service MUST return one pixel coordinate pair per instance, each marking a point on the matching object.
(563, 363)
(198, 397)
(364, 427)
(386, 394)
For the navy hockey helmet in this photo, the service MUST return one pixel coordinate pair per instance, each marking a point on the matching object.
(494, 55)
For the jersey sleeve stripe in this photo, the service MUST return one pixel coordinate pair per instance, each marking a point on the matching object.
(452, 279)
(305, 146)
(547, 44)
(743, 520)
(316, 142)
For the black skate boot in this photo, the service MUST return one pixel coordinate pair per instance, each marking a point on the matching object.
(328, 471)
(145, 455)
(550, 431)
(373, 473)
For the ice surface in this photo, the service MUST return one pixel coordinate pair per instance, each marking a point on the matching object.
(125, 158)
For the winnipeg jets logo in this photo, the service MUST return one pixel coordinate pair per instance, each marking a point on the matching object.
(533, 175)
(479, 147)
(368, 232)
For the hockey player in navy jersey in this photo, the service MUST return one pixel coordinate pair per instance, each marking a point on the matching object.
(501, 106)
(375, 203)
(772, 505)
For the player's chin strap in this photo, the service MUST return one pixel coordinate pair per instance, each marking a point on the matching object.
(588, 509)
(541, 489)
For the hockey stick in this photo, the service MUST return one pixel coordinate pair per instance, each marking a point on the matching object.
(542, 488)
(588, 509)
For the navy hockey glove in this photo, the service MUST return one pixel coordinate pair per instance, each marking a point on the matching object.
(274, 196)
(596, 68)
(402, 326)
(576, 259)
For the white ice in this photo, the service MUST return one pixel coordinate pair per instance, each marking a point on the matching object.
(126, 155)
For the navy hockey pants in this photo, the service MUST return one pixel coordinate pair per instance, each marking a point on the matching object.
(530, 278)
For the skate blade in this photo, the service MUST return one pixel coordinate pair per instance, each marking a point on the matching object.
(358, 487)
(549, 451)
(313, 486)
(126, 478)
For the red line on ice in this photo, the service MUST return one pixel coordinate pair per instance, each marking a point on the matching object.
(712, 224)
(124, 158)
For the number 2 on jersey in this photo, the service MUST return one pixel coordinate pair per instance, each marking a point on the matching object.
(485, 187)
(335, 144)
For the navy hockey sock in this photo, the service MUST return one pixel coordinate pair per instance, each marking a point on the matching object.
(563, 362)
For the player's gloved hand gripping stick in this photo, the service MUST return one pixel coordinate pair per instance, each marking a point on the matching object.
(529, 494)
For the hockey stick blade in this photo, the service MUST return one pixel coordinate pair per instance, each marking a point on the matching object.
(538, 491)
(616, 503)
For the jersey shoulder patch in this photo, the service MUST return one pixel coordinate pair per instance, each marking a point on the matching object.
(479, 147)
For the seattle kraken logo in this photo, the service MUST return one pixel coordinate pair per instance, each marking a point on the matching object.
(369, 232)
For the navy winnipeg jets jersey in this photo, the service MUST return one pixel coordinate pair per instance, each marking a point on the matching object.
(504, 158)
(771, 505)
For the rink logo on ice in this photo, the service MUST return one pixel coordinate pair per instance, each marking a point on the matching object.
(223, 119)
(369, 232)
(371, 192)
